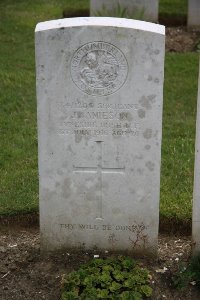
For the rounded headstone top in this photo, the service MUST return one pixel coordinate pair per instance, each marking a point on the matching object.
(101, 21)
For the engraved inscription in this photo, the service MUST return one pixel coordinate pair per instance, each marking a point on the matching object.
(137, 232)
(135, 227)
(98, 119)
(99, 68)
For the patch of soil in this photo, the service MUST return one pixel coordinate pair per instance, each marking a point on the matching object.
(173, 20)
(179, 39)
(73, 13)
(26, 274)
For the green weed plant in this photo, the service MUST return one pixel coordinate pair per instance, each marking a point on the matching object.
(188, 274)
(110, 278)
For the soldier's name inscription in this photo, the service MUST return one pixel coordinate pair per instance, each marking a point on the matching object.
(94, 119)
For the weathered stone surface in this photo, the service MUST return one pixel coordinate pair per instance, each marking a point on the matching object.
(147, 9)
(193, 13)
(196, 194)
(100, 93)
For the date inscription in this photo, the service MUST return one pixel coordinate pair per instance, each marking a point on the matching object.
(98, 119)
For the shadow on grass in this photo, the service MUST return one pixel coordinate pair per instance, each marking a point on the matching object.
(74, 13)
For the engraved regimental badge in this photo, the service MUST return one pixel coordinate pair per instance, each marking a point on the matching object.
(99, 68)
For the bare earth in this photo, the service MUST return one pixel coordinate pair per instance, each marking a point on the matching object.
(179, 39)
(25, 274)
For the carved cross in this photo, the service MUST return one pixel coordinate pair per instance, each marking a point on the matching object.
(99, 170)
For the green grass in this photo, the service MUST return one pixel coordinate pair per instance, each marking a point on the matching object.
(180, 93)
(18, 147)
(18, 153)
(173, 7)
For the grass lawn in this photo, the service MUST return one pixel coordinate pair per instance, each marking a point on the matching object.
(18, 152)
(173, 7)
(180, 94)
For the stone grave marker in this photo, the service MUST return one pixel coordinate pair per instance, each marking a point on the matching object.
(193, 13)
(196, 194)
(148, 9)
(100, 93)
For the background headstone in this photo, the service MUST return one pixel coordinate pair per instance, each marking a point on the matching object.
(100, 93)
(149, 8)
(193, 13)
(196, 194)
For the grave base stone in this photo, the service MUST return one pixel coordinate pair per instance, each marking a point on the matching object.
(145, 9)
(194, 13)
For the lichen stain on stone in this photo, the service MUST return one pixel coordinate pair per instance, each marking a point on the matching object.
(150, 165)
(60, 172)
(66, 188)
(82, 209)
(142, 199)
(140, 156)
(89, 183)
(69, 148)
(78, 138)
(65, 165)
(89, 190)
(49, 194)
(116, 211)
(147, 147)
(156, 134)
(132, 191)
(140, 171)
(90, 196)
(147, 102)
(141, 113)
(105, 185)
(147, 134)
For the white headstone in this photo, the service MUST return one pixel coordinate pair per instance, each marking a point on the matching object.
(193, 13)
(196, 194)
(147, 9)
(100, 93)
